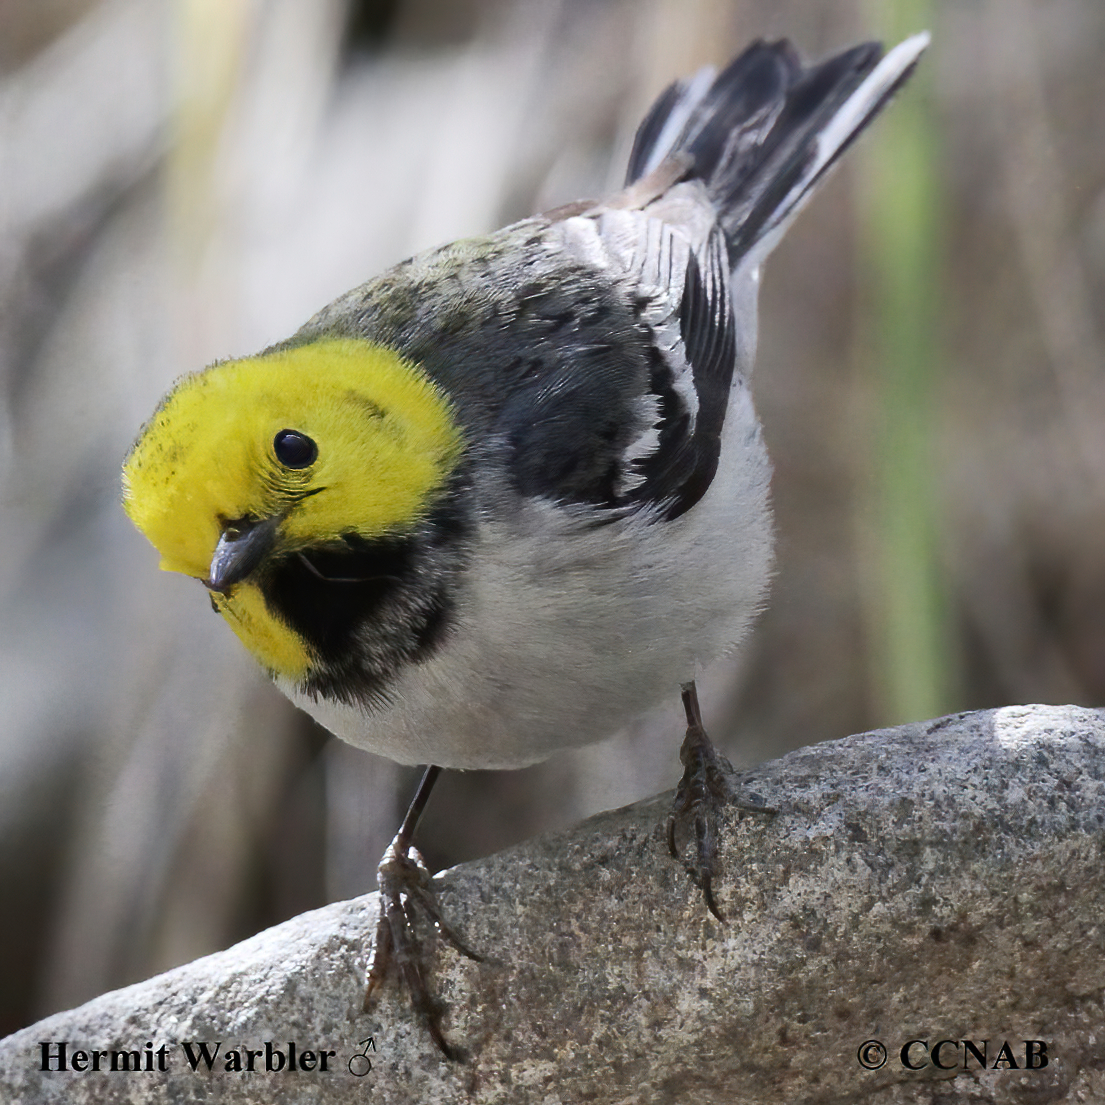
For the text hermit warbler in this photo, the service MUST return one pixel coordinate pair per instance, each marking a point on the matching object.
(504, 497)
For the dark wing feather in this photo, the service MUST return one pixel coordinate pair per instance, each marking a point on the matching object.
(591, 355)
(624, 409)
(574, 405)
(678, 472)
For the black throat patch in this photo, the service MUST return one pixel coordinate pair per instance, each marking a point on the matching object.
(367, 607)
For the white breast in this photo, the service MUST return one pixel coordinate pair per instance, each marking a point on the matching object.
(566, 631)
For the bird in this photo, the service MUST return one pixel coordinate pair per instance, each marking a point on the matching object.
(504, 497)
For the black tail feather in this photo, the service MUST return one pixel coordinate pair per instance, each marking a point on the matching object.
(754, 133)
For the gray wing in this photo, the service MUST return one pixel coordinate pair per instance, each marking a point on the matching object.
(588, 358)
(634, 421)
(591, 355)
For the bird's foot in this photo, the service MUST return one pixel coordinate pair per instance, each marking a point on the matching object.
(405, 890)
(699, 798)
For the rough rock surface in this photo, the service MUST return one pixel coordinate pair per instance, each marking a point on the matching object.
(935, 882)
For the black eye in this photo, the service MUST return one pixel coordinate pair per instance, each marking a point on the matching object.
(294, 450)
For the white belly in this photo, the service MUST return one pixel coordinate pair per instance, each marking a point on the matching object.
(565, 633)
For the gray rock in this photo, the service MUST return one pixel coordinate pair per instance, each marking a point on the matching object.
(935, 882)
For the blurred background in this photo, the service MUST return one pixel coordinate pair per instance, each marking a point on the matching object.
(191, 179)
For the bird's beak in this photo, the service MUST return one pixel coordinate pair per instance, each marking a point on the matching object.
(241, 549)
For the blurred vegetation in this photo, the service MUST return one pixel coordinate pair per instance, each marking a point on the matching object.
(191, 180)
(911, 653)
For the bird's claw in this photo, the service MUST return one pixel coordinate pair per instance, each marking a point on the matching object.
(699, 798)
(404, 883)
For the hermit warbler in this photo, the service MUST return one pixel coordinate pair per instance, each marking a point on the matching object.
(504, 497)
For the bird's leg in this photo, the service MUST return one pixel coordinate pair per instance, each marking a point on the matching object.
(701, 793)
(404, 883)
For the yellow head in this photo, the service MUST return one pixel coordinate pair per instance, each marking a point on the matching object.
(313, 443)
